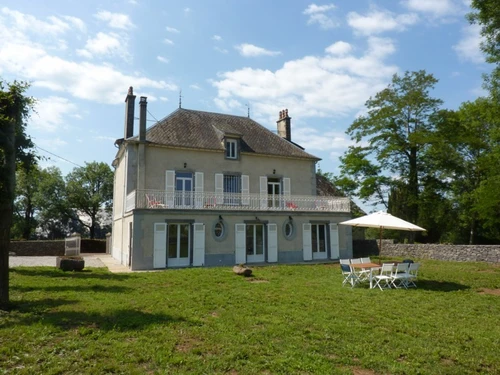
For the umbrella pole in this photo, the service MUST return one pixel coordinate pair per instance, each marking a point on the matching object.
(380, 246)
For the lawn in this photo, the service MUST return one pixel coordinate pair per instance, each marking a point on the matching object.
(285, 320)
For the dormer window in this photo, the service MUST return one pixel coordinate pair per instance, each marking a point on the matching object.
(231, 149)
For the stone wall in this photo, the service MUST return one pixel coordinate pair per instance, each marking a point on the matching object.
(459, 253)
(54, 248)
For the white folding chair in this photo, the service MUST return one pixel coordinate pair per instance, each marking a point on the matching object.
(399, 277)
(366, 260)
(363, 273)
(345, 261)
(383, 279)
(349, 275)
(412, 275)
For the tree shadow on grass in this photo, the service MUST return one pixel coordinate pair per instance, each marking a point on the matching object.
(77, 288)
(46, 312)
(440, 286)
(55, 272)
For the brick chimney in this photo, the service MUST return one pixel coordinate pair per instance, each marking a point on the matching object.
(129, 113)
(284, 125)
(143, 106)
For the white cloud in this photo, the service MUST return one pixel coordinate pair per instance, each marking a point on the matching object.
(339, 48)
(51, 112)
(133, 2)
(163, 98)
(195, 87)
(468, 48)
(434, 8)
(319, 14)
(172, 30)
(77, 23)
(379, 21)
(221, 50)
(104, 44)
(187, 10)
(168, 41)
(28, 60)
(217, 38)
(324, 86)
(162, 59)
(115, 20)
(250, 50)
(312, 139)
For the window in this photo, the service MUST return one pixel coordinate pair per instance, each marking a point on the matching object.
(219, 229)
(289, 229)
(232, 189)
(231, 149)
(274, 192)
(319, 241)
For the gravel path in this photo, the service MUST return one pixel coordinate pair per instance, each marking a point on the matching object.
(50, 261)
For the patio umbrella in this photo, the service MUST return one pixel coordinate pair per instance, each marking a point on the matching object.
(382, 220)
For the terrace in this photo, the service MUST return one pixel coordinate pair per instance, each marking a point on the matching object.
(161, 199)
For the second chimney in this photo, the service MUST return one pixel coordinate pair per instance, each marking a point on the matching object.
(143, 107)
(129, 113)
(284, 125)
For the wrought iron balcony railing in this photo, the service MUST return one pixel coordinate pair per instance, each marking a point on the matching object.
(160, 199)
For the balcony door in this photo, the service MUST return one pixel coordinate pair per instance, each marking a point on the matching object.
(274, 192)
(184, 189)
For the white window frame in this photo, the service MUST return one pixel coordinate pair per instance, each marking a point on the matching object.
(231, 148)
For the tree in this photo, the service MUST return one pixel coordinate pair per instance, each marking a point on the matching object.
(486, 13)
(15, 145)
(24, 222)
(89, 191)
(390, 141)
(54, 215)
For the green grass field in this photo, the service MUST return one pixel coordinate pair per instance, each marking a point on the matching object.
(285, 320)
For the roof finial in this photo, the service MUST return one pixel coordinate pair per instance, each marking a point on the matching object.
(180, 98)
(248, 110)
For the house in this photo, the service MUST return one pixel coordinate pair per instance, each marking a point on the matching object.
(208, 189)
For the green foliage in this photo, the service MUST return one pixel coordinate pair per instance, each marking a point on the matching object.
(15, 147)
(285, 320)
(90, 190)
(390, 141)
(486, 13)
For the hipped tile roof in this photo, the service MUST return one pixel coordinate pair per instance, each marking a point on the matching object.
(206, 130)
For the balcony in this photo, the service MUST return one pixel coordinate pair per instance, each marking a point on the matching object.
(160, 199)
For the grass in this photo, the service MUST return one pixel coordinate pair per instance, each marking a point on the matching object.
(285, 320)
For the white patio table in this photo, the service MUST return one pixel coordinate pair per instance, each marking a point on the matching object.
(371, 266)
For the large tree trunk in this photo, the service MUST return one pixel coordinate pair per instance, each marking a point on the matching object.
(413, 186)
(7, 185)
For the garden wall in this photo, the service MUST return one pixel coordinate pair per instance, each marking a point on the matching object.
(460, 253)
(54, 248)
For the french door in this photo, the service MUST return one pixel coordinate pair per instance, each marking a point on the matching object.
(184, 189)
(274, 192)
(318, 241)
(179, 243)
(255, 239)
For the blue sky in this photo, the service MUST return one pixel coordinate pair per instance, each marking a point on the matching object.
(320, 60)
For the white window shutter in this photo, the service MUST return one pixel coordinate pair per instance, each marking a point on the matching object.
(272, 243)
(219, 188)
(307, 241)
(170, 188)
(160, 245)
(334, 241)
(245, 190)
(263, 192)
(240, 244)
(287, 188)
(198, 244)
(198, 190)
